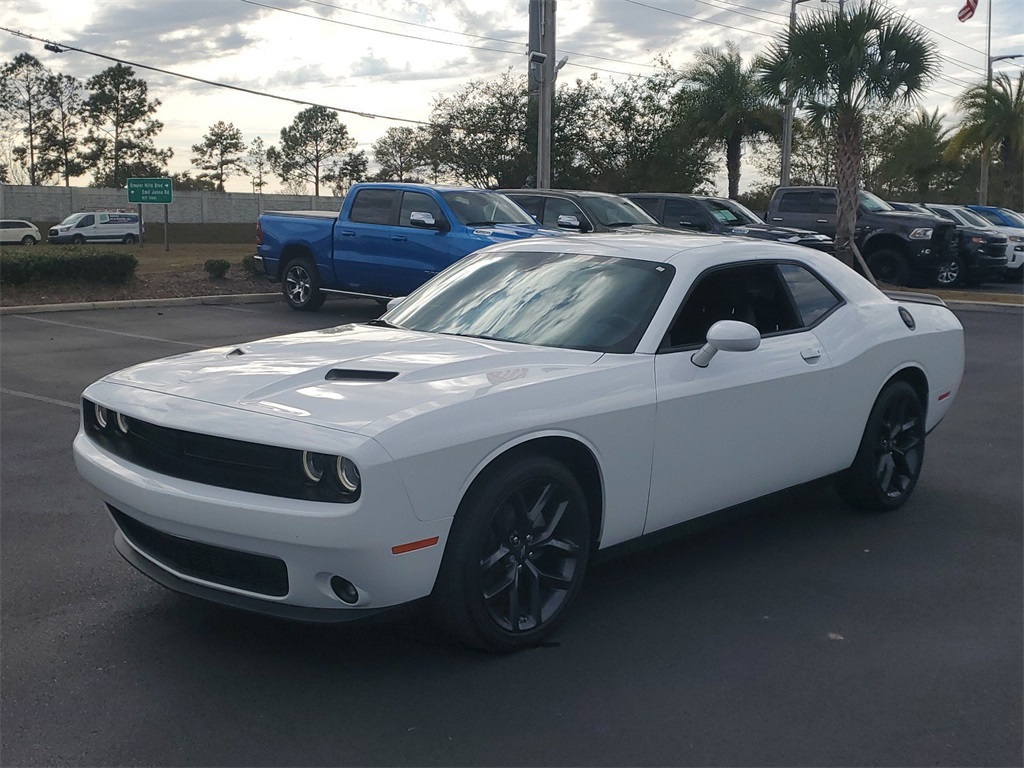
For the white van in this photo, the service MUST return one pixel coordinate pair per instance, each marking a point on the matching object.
(96, 227)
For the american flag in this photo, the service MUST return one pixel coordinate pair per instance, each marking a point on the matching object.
(968, 10)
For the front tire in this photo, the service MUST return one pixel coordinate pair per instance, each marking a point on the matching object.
(891, 452)
(77, 240)
(516, 556)
(889, 266)
(28, 240)
(952, 274)
(301, 285)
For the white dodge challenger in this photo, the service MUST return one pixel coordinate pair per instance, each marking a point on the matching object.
(535, 402)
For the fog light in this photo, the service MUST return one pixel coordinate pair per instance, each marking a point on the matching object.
(344, 590)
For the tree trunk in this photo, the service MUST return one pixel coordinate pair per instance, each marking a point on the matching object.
(733, 153)
(848, 164)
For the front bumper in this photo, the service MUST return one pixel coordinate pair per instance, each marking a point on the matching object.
(1015, 257)
(313, 541)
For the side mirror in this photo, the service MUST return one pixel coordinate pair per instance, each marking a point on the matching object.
(395, 302)
(423, 219)
(727, 336)
(569, 222)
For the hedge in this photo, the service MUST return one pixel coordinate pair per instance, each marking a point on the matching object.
(28, 265)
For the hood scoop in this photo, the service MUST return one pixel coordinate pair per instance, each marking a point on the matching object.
(345, 374)
(236, 352)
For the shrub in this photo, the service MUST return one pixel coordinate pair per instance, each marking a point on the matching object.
(37, 265)
(217, 267)
(249, 264)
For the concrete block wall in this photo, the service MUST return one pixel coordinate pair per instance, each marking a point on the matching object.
(50, 204)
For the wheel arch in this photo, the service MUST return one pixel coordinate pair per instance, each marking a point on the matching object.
(885, 241)
(915, 377)
(569, 450)
(293, 251)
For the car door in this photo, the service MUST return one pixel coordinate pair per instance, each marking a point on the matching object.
(416, 253)
(798, 208)
(363, 243)
(560, 206)
(686, 214)
(749, 423)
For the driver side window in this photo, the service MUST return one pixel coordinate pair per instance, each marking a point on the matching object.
(749, 293)
(556, 206)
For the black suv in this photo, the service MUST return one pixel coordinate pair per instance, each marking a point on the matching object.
(901, 248)
(581, 210)
(981, 256)
(721, 216)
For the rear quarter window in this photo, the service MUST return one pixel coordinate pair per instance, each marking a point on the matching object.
(798, 202)
(373, 206)
(813, 298)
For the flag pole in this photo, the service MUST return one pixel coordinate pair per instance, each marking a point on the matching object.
(983, 180)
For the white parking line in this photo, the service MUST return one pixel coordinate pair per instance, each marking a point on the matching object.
(40, 398)
(115, 333)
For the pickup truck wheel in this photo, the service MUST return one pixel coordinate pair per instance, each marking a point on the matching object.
(952, 273)
(889, 266)
(301, 285)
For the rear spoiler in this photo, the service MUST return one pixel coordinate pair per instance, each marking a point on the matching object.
(915, 298)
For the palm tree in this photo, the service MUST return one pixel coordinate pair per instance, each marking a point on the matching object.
(915, 162)
(840, 65)
(722, 101)
(994, 119)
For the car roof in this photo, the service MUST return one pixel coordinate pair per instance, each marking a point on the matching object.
(567, 192)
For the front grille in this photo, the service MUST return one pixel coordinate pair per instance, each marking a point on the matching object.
(211, 460)
(945, 239)
(261, 574)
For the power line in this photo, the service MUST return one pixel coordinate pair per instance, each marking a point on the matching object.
(62, 48)
(742, 13)
(697, 18)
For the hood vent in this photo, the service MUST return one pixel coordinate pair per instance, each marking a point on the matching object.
(341, 374)
(236, 352)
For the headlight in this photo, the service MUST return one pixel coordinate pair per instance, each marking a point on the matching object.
(921, 233)
(102, 415)
(979, 240)
(313, 465)
(63, 229)
(348, 474)
(1017, 238)
(344, 481)
(122, 423)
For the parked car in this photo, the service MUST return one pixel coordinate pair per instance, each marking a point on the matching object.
(1011, 224)
(97, 227)
(981, 256)
(538, 401)
(722, 216)
(386, 241)
(900, 248)
(583, 211)
(18, 231)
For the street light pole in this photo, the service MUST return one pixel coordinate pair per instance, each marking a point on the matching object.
(787, 118)
(985, 159)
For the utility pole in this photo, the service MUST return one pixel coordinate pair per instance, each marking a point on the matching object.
(543, 71)
(788, 98)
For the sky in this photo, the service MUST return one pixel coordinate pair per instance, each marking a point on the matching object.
(393, 58)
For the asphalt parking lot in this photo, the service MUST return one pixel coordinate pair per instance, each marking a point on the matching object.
(792, 631)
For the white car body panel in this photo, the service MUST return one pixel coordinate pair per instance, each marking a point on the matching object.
(671, 441)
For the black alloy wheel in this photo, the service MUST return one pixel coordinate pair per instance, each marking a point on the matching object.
(301, 285)
(891, 453)
(951, 273)
(516, 556)
(889, 266)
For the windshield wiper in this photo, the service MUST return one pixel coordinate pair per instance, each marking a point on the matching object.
(382, 323)
(623, 224)
(484, 223)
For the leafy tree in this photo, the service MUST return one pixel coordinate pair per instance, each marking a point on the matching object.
(58, 139)
(349, 170)
(914, 166)
(576, 117)
(841, 65)
(119, 114)
(398, 154)
(722, 100)
(220, 153)
(22, 87)
(315, 138)
(256, 164)
(186, 182)
(994, 120)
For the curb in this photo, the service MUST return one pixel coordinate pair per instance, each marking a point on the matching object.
(229, 298)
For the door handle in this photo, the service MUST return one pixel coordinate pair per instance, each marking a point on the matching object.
(399, 238)
(822, 221)
(346, 232)
(776, 218)
(811, 355)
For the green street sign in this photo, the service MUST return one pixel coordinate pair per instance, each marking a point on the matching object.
(149, 190)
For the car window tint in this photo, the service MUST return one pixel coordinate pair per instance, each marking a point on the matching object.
(9, 225)
(989, 216)
(373, 206)
(532, 204)
(557, 206)
(87, 221)
(749, 293)
(813, 298)
(944, 214)
(649, 204)
(419, 202)
(826, 202)
(798, 202)
(678, 210)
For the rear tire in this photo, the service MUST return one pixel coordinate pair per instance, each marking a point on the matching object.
(516, 555)
(300, 283)
(129, 240)
(891, 452)
(889, 266)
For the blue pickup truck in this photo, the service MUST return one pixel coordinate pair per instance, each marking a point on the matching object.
(387, 240)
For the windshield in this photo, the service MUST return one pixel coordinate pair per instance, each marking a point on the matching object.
(1015, 218)
(732, 213)
(479, 208)
(614, 211)
(970, 217)
(872, 203)
(569, 300)
(72, 219)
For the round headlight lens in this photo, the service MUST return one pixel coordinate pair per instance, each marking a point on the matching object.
(313, 465)
(348, 474)
(102, 415)
(122, 423)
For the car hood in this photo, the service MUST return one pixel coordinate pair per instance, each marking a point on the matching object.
(502, 232)
(770, 232)
(354, 375)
